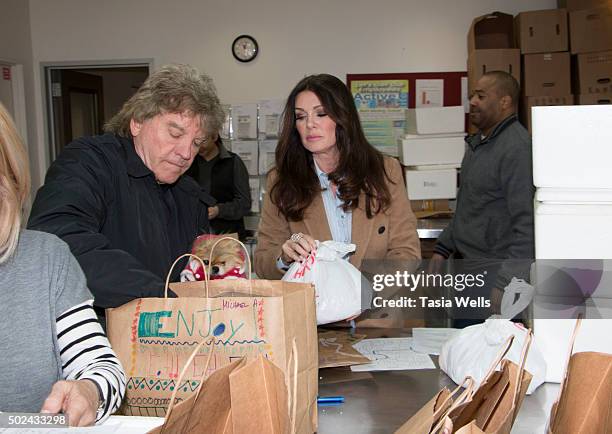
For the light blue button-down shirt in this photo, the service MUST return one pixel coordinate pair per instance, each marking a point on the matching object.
(340, 222)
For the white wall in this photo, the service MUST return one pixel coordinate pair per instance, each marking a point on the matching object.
(16, 47)
(295, 37)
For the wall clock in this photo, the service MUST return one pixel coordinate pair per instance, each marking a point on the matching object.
(245, 48)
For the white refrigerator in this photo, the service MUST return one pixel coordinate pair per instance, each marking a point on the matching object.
(572, 171)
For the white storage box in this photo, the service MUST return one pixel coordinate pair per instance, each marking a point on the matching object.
(435, 120)
(432, 149)
(247, 150)
(423, 184)
(572, 146)
(569, 231)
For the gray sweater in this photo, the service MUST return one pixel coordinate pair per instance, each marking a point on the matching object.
(40, 281)
(494, 215)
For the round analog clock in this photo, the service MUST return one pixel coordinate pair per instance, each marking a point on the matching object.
(245, 48)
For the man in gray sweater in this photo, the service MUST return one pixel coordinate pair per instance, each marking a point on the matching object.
(493, 222)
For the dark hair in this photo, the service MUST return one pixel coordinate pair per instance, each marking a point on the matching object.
(505, 84)
(360, 166)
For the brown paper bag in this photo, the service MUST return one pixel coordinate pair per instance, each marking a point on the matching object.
(470, 428)
(210, 402)
(585, 397)
(153, 337)
(495, 404)
(259, 399)
(429, 418)
(239, 398)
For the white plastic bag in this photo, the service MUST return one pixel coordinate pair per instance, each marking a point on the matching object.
(337, 282)
(472, 350)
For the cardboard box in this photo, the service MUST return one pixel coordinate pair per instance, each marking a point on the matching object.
(590, 30)
(494, 30)
(482, 61)
(532, 101)
(541, 31)
(432, 149)
(435, 120)
(546, 74)
(430, 205)
(431, 184)
(593, 73)
(594, 99)
(576, 5)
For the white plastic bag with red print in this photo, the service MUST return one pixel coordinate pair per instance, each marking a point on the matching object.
(337, 282)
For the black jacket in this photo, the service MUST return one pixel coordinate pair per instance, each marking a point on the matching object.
(124, 228)
(227, 180)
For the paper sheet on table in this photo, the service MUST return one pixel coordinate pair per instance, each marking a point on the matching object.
(430, 340)
(114, 424)
(391, 354)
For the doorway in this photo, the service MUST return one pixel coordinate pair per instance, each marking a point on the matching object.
(12, 94)
(82, 98)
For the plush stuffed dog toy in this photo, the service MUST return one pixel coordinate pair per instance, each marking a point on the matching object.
(228, 260)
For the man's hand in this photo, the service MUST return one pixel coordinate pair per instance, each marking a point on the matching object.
(213, 212)
(436, 264)
(78, 399)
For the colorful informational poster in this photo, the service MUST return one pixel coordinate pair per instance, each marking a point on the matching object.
(371, 94)
(381, 105)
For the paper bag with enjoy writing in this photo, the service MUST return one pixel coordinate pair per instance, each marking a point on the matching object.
(495, 404)
(246, 317)
(585, 400)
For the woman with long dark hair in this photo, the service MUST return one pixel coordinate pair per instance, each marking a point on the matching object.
(330, 183)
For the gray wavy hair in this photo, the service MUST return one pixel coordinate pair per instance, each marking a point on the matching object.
(172, 89)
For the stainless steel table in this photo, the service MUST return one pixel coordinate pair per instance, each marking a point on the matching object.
(431, 228)
(381, 402)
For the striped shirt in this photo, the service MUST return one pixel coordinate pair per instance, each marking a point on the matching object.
(85, 353)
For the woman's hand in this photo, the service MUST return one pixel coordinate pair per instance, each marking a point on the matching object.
(297, 248)
(78, 399)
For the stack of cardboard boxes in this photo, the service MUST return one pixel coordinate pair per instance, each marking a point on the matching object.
(559, 56)
(543, 41)
(590, 30)
(491, 47)
(432, 150)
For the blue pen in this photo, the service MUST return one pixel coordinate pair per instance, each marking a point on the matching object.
(330, 399)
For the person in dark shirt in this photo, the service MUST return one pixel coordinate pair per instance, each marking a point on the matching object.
(224, 175)
(493, 223)
(120, 201)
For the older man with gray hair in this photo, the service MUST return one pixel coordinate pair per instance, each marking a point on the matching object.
(120, 201)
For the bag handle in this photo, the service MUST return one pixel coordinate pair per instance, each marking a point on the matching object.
(463, 396)
(211, 341)
(292, 394)
(247, 258)
(567, 359)
(190, 255)
(522, 363)
(499, 357)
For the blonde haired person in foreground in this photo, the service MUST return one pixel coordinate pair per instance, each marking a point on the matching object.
(55, 356)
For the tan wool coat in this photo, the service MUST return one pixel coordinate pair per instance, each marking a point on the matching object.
(388, 235)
